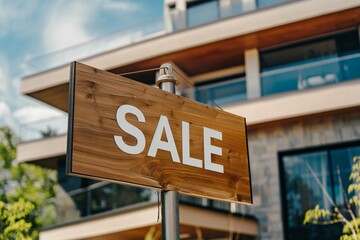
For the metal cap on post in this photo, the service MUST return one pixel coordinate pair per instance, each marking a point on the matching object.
(167, 81)
(169, 199)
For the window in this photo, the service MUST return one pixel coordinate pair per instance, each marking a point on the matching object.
(200, 12)
(267, 3)
(222, 91)
(300, 191)
(311, 64)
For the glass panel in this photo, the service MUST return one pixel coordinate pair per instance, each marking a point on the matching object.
(43, 128)
(127, 195)
(194, 200)
(214, 204)
(101, 199)
(221, 205)
(303, 193)
(202, 12)
(267, 3)
(78, 197)
(312, 73)
(80, 202)
(237, 7)
(341, 160)
(301, 53)
(223, 92)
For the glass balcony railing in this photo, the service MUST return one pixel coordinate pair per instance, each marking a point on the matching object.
(216, 11)
(311, 74)
(44, 128)
(104, 197)
(96, 46)
(269, 3)
(224, 92)
(97, 198)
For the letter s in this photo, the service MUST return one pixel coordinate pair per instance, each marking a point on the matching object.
(130, 129)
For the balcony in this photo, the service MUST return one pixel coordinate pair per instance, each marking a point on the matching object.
(92, 210)
(223, 50)
(141, 32)
(105, 197)
(100, 197)
(43, 128)
(311, 74)
(43, 142)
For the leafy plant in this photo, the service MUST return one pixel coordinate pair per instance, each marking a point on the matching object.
(23, 190)
(347, 216)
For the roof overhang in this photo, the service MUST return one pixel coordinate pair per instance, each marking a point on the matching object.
(208, 48)
(45, 152)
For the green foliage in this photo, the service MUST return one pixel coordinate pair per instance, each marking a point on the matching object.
(347, 234)
(15, 219)
(23, 190)
(7, 147)
(351, 229)
(320, 216)
(354, 187)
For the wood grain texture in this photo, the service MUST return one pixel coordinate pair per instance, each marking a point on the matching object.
(92, 151)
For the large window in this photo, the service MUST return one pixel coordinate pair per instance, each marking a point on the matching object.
(299, 171)
(311, 64)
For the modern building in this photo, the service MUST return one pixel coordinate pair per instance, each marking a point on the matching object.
(292, 68)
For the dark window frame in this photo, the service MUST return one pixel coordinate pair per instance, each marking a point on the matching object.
(298, 151)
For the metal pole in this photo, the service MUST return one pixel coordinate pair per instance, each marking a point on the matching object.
(169, 199)
(170, 215)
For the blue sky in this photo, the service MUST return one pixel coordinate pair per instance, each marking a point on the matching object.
(30, 29)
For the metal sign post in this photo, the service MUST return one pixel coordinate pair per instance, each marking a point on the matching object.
(169, 199)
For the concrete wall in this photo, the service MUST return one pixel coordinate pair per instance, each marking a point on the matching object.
(264, 145)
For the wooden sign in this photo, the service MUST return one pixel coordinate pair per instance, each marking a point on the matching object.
(125, 131)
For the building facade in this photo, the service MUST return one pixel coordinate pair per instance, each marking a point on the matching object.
(292, 68)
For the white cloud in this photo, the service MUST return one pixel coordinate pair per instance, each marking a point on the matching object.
(8, 92)
(5, 115)
(67, 21)
(25, 67)
(125, 6)
(3, 79)
(65, 34)
(4, 109)
(30, 114)
(4, 76)
(66, 24)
